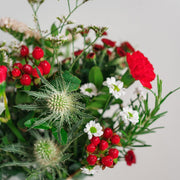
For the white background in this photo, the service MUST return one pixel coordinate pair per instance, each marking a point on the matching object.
(152, 26)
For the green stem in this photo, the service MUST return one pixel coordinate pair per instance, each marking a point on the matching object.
(69, 7)
(9, 121)
(102, 57)
(82, 54)
(15, 130)
(105, 107)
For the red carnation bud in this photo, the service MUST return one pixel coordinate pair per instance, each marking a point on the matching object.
(107, 161)
(84, 32)
(25, 80)
(127, 47)
(140, 68)
(37, 53)
(77, 53)
(120, 52)
(130, 158)
(18, 65)
(27, 69)
(103, 145)
(104, 33)
(114, 153)
(45, 65)
(35, 73)
(95, 140)
(91, 148)
(3, 73)
(16, 72)
(98, 47)
(108, 42)
(109, 53)
(91, 159)
(108, 133)
(24, 51)
(115, 139)
(91, 55)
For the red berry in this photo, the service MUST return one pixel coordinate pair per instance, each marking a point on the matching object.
(115, 139)
(91, 159)
(108, 133)
(18, 65)
(27, 69)
(114, 153)
(25, 80)
(35, 73)
(24, 51)
(103, 145)
(95, 140)
(37, 53)
(91, 148)
(16, 72)
(45, 65)
(107, 161)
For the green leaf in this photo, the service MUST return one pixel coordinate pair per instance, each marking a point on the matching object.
(54, 30)
(22, 97)
(72, 81)
(63, 136)
(127, 79)
(29, 123)
(96, 76)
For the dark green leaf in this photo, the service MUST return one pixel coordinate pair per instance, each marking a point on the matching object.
(54, 30)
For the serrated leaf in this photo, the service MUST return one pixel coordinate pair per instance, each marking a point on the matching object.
(29, 123)
(72, 81)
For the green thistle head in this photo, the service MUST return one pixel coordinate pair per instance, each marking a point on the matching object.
(46, 152)
(56, 103)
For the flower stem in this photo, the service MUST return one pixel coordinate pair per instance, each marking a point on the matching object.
(9, 121)
(105, 107)
(102, 57)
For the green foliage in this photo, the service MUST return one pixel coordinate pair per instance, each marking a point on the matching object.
(96, 76)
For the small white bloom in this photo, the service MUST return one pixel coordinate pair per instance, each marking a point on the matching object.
(128, 114)
(89, 89)
(90, 171)
(93, 129)
(115, 87)
(141, 93)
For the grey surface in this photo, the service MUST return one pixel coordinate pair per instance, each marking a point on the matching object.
(153, 26)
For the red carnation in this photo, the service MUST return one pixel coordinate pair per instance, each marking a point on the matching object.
(127, 47)
(141, 69)
(130, 158)
(91, 55)
(108, 42)
(120, 52)
(3, 73)
(98, 47)
(77, 53)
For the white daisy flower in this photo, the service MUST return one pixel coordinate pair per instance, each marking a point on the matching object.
(93, 129)
(140, 92)
(128, 114)
(115, 87)
(90, 171)
(88, 89)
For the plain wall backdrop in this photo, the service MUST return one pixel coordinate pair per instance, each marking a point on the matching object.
(152, 26)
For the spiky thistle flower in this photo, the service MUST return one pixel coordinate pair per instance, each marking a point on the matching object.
(56, 103)
(46, 152)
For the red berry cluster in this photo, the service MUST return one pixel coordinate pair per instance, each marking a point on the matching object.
(101, 150)
(26, 73)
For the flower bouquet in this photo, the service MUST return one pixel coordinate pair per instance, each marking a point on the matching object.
(54, 97)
